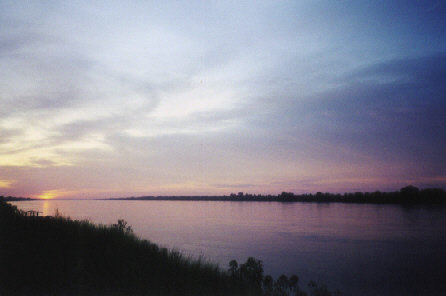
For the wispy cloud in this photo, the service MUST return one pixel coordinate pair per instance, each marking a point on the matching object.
(154, 97)
(6, 183)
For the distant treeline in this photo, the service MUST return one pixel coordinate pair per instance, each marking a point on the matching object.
(12, 198)
(407, 195)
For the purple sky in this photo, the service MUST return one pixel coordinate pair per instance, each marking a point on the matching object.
(130, 98)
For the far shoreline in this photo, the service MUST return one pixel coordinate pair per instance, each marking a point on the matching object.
(408, 195)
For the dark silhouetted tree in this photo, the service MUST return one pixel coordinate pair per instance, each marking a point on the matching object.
(281, 286)
(122, 226)
(251, 273)
(409, 193)
(233, 268)
(268, 287)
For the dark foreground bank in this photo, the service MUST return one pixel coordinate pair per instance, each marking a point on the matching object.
(59, 256)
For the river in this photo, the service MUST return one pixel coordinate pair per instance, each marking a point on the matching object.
(358, 248)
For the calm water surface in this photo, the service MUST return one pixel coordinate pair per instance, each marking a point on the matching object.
(360, 249)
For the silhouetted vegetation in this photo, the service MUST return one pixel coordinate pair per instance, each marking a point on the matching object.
(59, 256)
(250, 274)
(408, 195)
(12, 198)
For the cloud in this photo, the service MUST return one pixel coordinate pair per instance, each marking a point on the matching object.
(6, 183)
(387, 118)
(162, 95)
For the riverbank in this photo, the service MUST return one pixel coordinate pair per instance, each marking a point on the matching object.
(59, 256)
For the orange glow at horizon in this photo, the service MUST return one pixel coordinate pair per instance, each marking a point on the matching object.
(46, 196)
(50, 194)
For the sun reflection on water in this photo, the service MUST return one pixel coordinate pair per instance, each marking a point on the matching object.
(46, 208)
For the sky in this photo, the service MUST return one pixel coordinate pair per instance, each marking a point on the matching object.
(103, 99)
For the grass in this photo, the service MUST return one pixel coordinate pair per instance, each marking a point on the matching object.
(59, 256)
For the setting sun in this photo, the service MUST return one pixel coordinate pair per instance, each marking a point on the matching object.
(46, 196)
